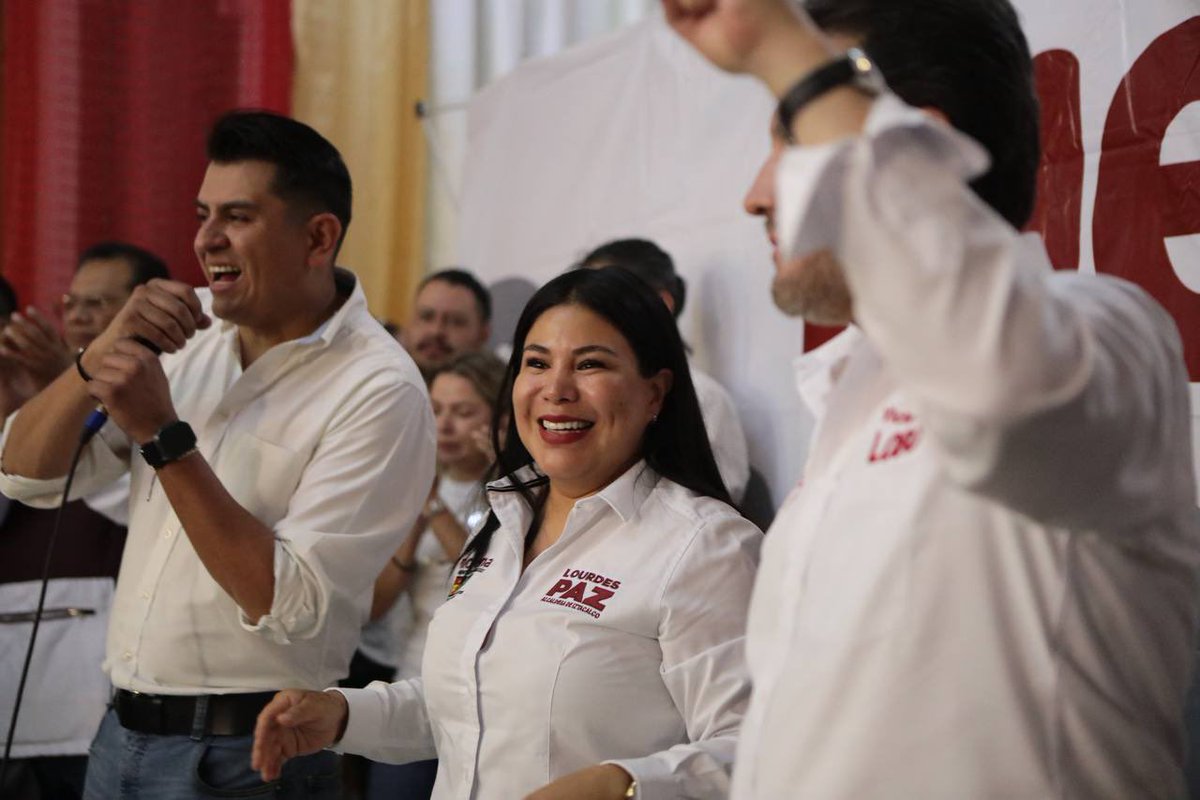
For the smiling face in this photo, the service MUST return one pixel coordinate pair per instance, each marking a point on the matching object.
(253, 248)
(579, 402)
(459, 411)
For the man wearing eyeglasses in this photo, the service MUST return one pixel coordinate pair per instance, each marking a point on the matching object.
(105, 277)
(56, 727)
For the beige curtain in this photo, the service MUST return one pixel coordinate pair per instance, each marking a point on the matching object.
(361, 65)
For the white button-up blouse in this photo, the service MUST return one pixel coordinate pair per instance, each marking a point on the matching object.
(623, 642)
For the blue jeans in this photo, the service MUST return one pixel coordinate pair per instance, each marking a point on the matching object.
(126, 765)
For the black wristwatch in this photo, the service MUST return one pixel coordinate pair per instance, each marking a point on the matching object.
(172, 443)
(853, 67)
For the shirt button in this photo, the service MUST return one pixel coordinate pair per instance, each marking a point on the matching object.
(127, 656)
(167, 533)
(145, 595)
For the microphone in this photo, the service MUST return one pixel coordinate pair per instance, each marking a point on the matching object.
(99, 415)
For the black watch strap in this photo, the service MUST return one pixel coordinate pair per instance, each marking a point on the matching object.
(853, 67)
(173, 442)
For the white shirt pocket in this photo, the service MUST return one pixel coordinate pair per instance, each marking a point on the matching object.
(261, 476)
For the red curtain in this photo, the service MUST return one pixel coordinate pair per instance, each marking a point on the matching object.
(106, 107)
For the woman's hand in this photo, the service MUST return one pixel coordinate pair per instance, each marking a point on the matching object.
(295, 723)
(598, 782)
(481, 440)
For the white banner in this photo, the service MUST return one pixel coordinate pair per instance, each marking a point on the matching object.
(635, 135)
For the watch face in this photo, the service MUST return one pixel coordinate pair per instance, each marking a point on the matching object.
(173, 441)
(176, 439)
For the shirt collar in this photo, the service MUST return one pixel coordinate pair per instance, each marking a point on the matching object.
(815, 370)
(624, 495)
(347, 285)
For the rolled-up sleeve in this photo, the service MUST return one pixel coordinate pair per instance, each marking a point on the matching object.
(104, 460)
(702, 637)
(356, 498)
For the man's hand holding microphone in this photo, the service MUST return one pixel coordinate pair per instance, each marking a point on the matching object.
(124, 370)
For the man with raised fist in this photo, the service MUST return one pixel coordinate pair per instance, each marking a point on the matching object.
(984, 585)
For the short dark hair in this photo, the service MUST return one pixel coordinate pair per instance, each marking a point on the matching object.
(8, 298)
(645, 259)
(144, 266)
(675, 446)
(460, 277)
(968, 59)
(310, 174)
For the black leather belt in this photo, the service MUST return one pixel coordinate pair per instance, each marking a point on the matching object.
(190, 715)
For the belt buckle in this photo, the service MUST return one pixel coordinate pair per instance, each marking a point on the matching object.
(155, 702)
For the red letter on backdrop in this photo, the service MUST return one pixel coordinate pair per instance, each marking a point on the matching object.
(1138, 202)
(1056, 215)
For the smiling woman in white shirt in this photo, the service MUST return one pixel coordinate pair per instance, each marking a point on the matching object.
(592, 643)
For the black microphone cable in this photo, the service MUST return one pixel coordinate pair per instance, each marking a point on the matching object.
(91, 427)
(95, 422)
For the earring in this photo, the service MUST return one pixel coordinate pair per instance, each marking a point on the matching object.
(654, 419)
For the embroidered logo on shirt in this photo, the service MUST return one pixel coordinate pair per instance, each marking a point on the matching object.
(583, 591)
(462, 574)
(900, 434)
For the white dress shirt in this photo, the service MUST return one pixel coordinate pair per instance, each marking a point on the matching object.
(112, 501)
(725, 434)
(984, 586)
(622, 641)
(398, 637)
(329, 441)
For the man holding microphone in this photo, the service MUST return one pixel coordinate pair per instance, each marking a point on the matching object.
(278, 453)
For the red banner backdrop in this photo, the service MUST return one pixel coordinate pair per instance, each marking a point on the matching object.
(106, 108)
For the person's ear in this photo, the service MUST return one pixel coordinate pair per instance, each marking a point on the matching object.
(660, 385)
(937, 114)
(670, 301)
(324, 232)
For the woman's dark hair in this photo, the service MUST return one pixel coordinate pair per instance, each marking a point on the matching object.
(968, 59)
(645, 259)
(675, 446)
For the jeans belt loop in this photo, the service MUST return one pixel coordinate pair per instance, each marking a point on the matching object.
(200, 718)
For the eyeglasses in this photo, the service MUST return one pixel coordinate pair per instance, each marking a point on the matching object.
(88, 303)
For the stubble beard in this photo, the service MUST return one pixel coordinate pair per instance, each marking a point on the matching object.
(812, 287)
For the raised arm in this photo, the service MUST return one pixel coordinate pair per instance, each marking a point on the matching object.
(775, 41)
(1052, 394)
(42, 439)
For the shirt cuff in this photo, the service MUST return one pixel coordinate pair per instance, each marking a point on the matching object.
(99, 465)
(810, 178)
(656, 779)
(295, 607)
(387, 722)
(364, 720)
